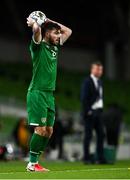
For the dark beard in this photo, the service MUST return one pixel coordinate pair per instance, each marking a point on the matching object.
(52, 42)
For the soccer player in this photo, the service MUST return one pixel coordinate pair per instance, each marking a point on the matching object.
(44, 48)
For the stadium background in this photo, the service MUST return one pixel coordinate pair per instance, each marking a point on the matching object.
(101, 31)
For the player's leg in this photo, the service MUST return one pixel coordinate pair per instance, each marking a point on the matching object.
(49, 99)
(37, 116)
(39, 142)
(35, 143)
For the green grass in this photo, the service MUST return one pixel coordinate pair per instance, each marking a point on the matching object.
(66, 170)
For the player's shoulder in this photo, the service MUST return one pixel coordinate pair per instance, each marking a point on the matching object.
(34, 45)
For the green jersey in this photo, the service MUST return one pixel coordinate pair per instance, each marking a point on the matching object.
(44, 60)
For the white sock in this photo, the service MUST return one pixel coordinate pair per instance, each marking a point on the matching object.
(30, 163)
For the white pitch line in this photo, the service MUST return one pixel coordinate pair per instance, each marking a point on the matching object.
(88, 170)
(74, 170)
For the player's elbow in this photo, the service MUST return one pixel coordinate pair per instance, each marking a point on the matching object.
(69, 32)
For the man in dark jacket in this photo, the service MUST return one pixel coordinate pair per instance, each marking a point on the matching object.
(92, 107)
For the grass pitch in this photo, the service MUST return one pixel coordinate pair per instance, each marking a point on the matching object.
(66, 170)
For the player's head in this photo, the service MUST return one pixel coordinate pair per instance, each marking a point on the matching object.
(51, 33)
(97, 69)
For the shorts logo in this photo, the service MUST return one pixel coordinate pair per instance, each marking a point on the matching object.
(43, 120)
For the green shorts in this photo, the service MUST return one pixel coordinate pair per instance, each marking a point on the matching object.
(40, 108)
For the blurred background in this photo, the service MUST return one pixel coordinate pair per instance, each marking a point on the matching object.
(101, 32)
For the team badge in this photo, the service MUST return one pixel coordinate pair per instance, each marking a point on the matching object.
(43, 120)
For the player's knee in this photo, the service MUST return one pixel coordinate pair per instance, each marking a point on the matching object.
(40, 131)
(49, 132)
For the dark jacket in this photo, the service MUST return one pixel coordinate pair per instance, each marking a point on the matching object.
(89, 95)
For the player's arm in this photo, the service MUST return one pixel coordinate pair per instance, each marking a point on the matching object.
(65, 31)
(37, 37)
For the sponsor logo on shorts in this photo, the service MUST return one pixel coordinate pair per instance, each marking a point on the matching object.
(43, 120)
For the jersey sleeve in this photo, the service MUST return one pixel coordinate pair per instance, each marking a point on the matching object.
(34, 45)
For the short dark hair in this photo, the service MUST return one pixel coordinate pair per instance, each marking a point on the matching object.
(49, 26)
(98, 63)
